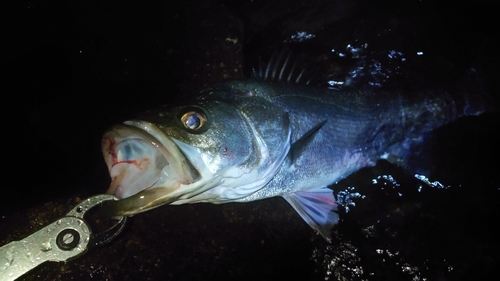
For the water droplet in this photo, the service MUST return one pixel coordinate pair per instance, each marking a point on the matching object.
(46, 247)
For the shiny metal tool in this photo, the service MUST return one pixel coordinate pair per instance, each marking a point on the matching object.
(65, 239)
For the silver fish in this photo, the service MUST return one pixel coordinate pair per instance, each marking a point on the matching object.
(247, 140)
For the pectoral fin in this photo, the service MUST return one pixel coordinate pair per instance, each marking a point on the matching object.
(298, 147)
(317, 207)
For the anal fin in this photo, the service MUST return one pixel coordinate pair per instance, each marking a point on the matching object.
(316, 206)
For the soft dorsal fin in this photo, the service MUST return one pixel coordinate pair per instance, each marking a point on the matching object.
(301, 144)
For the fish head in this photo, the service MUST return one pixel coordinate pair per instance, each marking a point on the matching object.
(209, 151)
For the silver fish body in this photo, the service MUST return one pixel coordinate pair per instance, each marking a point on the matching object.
(246, 140)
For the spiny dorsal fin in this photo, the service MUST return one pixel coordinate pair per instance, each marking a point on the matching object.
(300, 145)
(306, 68)
(280, 68)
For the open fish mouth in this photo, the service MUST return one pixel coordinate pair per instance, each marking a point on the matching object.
(145, 166)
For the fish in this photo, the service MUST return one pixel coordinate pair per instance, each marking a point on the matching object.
(266, 136)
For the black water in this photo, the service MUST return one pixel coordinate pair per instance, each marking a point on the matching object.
(73, 70)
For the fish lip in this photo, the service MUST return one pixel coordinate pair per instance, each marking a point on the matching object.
(157, 142)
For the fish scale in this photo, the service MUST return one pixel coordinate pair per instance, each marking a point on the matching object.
(257, 138)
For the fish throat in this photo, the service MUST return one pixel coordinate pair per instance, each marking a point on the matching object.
(138, 159)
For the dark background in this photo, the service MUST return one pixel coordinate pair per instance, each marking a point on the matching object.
(72, 70)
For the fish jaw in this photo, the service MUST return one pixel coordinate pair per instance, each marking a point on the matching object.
(140, 158)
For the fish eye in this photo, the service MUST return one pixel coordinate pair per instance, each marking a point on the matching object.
(193, 120)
